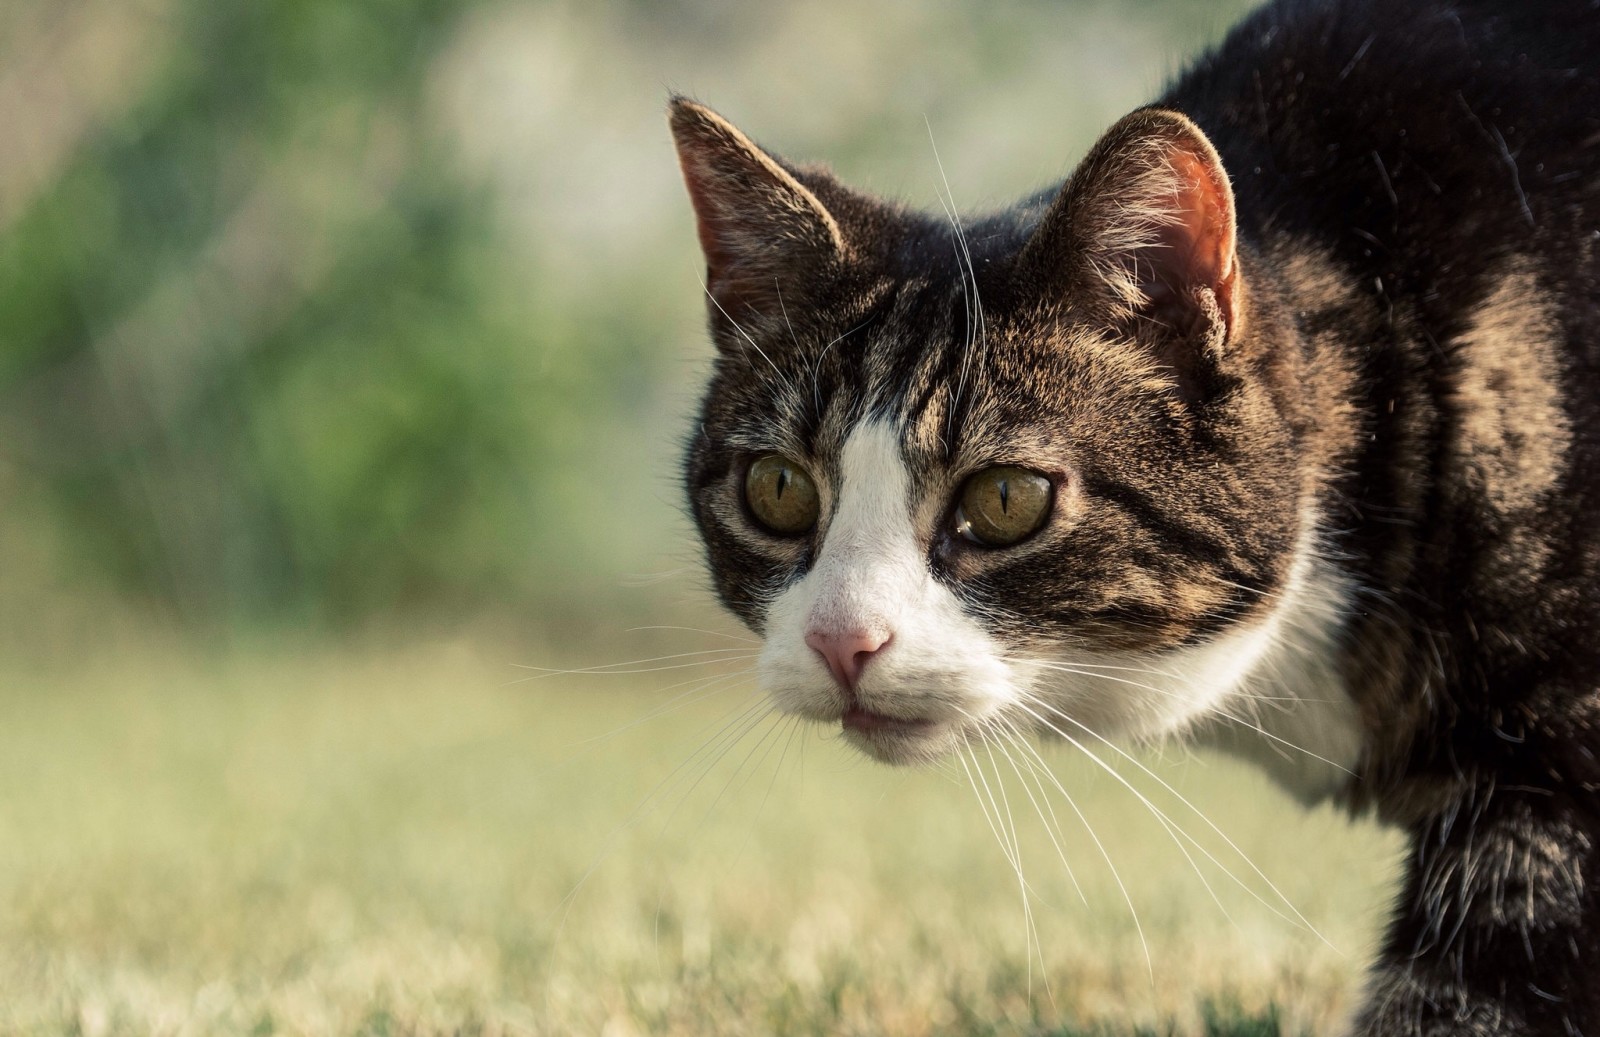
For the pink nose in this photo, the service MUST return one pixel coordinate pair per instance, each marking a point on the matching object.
(846, 654)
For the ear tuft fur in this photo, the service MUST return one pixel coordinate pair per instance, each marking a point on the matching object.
(760, 228)
(1147, 220)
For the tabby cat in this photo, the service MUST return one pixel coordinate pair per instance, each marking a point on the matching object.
(1290, 391)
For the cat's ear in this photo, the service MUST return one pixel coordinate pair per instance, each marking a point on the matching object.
(766, 236)
(1147, 223)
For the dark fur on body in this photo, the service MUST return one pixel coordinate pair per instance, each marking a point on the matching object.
(1416, 365)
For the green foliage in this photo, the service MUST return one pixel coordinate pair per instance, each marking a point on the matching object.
(262, 357)
(318, 312)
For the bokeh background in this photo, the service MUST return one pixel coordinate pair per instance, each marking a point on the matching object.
(345, 349)
(318, 315)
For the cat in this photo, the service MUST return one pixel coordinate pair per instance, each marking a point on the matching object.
(1291, 390)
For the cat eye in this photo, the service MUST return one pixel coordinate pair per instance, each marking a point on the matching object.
(1002, 506)
(781, 495)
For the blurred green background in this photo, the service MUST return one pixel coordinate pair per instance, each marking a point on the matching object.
(323, 314)
(345, 349)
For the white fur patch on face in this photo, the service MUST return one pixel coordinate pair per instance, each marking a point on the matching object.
(939, 668)
(1268, 690)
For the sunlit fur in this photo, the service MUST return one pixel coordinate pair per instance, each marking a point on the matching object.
(1308, 351)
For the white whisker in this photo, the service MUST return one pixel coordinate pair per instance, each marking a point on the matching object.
(1167, 825)
(784, 381)
(729, 720)
(1302, 920)
(725, 745)
(1212, 709)
(1116, 876)
(702, 690)
(697, 630)
(1023, 888)
(976, 325)
(616, 669)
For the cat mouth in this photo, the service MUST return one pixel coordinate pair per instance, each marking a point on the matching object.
(895, 740)
(865, 721)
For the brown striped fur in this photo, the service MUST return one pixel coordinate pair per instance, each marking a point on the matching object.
(1339, 288)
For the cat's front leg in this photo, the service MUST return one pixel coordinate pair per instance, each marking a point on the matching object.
(1498, 929)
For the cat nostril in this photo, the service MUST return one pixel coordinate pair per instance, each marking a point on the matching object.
(847, 654)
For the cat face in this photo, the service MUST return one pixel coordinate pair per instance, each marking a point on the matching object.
(1034, 476)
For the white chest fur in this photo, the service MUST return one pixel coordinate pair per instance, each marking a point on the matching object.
(1291, 713)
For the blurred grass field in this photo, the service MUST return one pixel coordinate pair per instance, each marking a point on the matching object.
(423, 841)
(386, 314)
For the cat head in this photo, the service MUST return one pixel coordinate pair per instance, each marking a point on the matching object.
(1034, 471)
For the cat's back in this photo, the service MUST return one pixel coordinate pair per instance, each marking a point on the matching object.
(1444, 157)
(1442, 160)
(1420, 132)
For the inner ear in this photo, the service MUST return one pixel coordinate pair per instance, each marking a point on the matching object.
(1194, 255)
(1146, 225)
(764, 233)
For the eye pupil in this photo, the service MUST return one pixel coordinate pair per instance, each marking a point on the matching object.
(1003, 505)
(780, 495)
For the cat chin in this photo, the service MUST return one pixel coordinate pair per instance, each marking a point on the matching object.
(906, 721)
(907, 747)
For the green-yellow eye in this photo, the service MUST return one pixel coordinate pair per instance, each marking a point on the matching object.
(781, 495)
(1002, 506)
